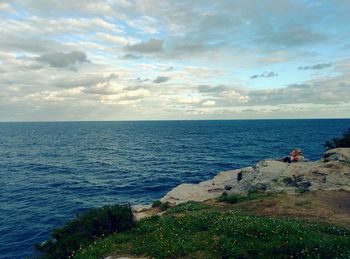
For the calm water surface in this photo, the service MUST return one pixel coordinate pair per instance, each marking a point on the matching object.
(51, 171)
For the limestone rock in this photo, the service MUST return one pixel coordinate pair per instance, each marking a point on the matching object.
(338, 154)
(145, 214)
(140, 207)
(332, 173)
(190, 192)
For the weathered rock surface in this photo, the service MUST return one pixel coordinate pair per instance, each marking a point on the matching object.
(141, 207)
(330, 173)
(144, 211)
(338, 154)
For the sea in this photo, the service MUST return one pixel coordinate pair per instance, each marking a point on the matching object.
(50, 171)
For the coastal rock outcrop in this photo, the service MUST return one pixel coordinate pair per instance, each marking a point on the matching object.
(330, 173)
(338, 154)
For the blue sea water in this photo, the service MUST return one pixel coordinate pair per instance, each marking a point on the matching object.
(51, 171)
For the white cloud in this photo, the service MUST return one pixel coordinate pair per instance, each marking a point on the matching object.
(105, 88)
(125, 97)
(209, 103)
(120, 40)
(7, 8)
(50, 96)
(235, 96)
(147, 25)
(188, 99)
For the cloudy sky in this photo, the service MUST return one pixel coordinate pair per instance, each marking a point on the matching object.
(151, 59)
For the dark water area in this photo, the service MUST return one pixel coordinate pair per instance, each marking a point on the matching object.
(51, 171)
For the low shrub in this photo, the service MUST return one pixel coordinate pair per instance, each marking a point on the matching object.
(231, 198)
(156, 203)
(161, 205)
(164, 206)
(86, 228)
(339, 142)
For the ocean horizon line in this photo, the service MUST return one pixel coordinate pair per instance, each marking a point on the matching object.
(173, 120)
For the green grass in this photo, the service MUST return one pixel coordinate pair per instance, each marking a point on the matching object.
(212, 233)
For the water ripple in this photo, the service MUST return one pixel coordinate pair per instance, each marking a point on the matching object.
(51, 171)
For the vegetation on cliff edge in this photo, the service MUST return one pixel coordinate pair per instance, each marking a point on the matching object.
(85, 229)
(213, 233)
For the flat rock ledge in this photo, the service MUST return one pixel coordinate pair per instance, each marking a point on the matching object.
(330, 173)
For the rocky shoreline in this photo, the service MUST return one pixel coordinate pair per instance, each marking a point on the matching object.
(316, 190)
(331, 173)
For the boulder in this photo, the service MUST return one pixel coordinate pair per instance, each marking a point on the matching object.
(189, 192)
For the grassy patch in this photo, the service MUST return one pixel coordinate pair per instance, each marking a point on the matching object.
(216, 234)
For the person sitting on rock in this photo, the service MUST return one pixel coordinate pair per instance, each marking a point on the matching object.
(297, 155)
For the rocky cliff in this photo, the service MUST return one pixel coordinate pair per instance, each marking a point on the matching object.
(330, 173)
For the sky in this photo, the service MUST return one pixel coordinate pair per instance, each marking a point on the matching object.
(163, 60)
